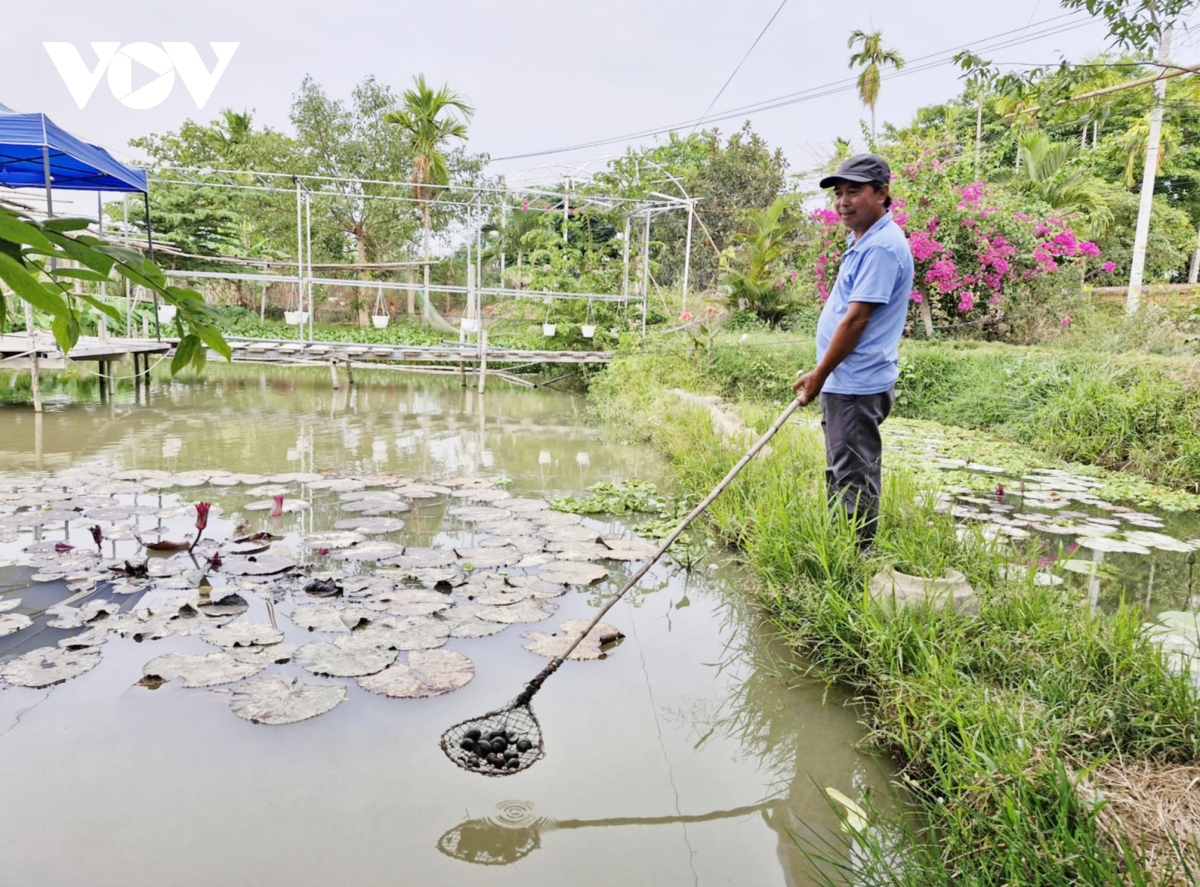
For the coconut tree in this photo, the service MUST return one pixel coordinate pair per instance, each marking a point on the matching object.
(1047, 174)
(428, 121)
(872, 57)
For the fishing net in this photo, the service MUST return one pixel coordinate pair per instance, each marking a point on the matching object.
(502, 742)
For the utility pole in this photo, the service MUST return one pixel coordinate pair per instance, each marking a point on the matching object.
(1149, 172)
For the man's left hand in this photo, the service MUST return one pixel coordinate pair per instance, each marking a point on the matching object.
(809, 386)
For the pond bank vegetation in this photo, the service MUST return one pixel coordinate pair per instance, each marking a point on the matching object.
(1043, 740)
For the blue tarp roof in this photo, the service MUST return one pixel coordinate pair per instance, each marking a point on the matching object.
(74, 164)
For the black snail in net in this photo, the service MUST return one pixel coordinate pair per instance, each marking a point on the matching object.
(508, 740)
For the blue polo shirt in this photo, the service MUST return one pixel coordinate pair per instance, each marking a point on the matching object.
(877, 268)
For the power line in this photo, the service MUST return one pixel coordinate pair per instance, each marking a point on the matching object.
(932, 60)
(721, 91)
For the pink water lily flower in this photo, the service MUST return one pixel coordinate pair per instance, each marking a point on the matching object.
(277, 510)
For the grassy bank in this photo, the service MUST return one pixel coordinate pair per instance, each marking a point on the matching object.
(1017, 728)
(1133, 412)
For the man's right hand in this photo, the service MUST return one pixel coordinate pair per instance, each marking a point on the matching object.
(809, 386)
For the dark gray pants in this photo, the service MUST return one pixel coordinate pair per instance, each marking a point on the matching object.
(854, 455)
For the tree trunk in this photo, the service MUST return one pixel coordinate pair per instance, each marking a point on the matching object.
(364, 316)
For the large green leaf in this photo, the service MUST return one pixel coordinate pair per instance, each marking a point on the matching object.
(66, 332)
(81, 274)
(185, 352)
(30, 289)
(212, 337)
(83, 253)
(65, 224)
(108, 310)
(17, 231)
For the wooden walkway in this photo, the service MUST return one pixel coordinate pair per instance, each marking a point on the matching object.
(272, 350)
(17, 352)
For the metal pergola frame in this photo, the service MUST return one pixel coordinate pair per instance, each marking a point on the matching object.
(475, 211)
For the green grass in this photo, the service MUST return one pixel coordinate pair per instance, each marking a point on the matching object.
(997, 720)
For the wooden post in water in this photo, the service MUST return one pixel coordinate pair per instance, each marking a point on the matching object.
(482, 358)
(349, 373)
(333, 373)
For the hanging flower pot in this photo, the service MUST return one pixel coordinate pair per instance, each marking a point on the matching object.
(588, 330)
(469, 324)
(303, 316)
(380, 321)
(548, 329)
(166, 313)
(291, 317)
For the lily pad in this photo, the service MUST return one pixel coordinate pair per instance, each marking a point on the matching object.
(289, 505)
(66, 616)
(335, 619)
(8, 604)
(434, 577)
(572, 572)
(572, 534)
(413, 633)
(629, 549)
(476, 513)
(11, 623)
(423, 557)
(232, 604)
(341, 660)
(375, 550)
(537, 587)
(47, 666)
(371, 525)
(197, 671)
(429, 673)
(482, 495)
(577, 551)
(553, 646)
(554, 518)
(276, 701)
(523, 544)
(242, 634)
(524, 506)
(1108, 544)
(464, 622)
(509, 527)
(1161, 541)
(409, 602)
(377, 507)
(333, 539)
(485, 558)
(257, 565)
(524, 611)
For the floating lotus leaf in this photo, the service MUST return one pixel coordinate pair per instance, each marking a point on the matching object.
(257, 565)
(276, 654)
(289, 505)
(375, 550)
(91, 638)
(11, 623)
(197, 671)
(482, 495)
(464, 622)
(268, 490)
(554, 518)
(553, 646)
(232, 480)
(336, 619)
(536, 560)
(356, 587)
(337, 485)
(502, 596)
(537, 587)
(1157, 540)
(1087, 568)
(232, 604)
(66, 616)
(524, 611)
(8, 604)
(572, 534)
(629, 549)
(357, 495)
(572, 573)
(523, 544)
(119, 512)
(118, 488)
(1070, 529)
(577, 551)
(409, 602)
(524, 506)
(339, 660)
(423, 557)
(1108, 544)
(475, 513)
(371, 525)
(276, 701)
(296, 477)
(242, 634)
(430, 673)
(413, 633)
(432, 577)
(377, 507)
(509, 527)
(47, 666)
(138, 474)
(323, 587)
(486, 558)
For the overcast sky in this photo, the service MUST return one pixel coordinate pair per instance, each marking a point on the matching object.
(543, 74)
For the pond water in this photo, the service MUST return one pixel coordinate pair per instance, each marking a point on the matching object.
(680, 758)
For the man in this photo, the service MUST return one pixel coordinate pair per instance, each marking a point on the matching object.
(857, 339)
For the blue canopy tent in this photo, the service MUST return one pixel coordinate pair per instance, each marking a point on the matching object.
(37, 153)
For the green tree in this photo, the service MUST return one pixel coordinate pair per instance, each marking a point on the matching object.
(426, 122)
(872, 57)
(1046, 173)
(1135, 24)
(758, 264)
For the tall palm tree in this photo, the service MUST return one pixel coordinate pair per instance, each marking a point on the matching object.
(1048, 176)
(426, 118)
(872, 57)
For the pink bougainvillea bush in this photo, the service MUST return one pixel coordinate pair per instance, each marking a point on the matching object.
(981, 258)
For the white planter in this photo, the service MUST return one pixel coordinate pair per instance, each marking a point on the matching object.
(380, 321)
(548, 329)
(588, 330)
(303, 316)
(469, 325)
(292, 317)
(166, 313)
